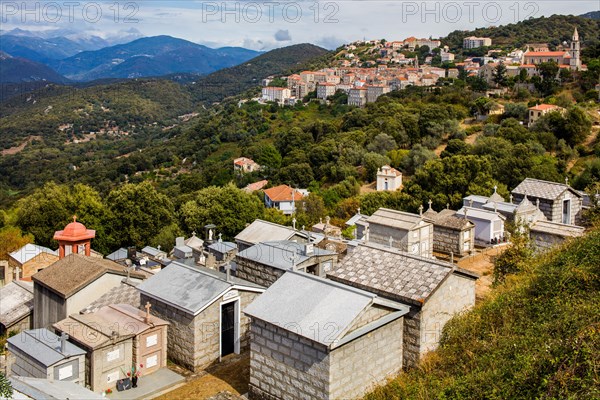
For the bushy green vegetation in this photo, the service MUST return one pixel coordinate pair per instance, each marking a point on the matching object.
(536, 337)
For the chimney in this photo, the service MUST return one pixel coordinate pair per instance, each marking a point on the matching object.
(63, 342)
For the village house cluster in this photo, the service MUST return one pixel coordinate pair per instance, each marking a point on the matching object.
(311, 307)
(388, 68)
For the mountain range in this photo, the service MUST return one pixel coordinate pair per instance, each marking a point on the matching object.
(60, 59)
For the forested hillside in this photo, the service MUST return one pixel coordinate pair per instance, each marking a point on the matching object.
(552, 30)
(536, 337)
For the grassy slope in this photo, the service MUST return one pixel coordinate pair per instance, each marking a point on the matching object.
(538, 336)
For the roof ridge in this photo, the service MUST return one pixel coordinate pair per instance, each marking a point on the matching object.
(406, 254)
(36, 338)
(339, 285)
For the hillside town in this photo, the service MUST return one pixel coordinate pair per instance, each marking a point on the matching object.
(384, 67)
(304, 304)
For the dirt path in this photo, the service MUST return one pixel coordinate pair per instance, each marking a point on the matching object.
(481, 263)
(232, 376)
(19, 148)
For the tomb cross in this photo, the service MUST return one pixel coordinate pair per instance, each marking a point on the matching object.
(158, 247)
(194, 233)
(220, 237)
(567, 180)
(537, 203)
(447, 206)
(465, 212)
(391, 240)
(358, 211)
(495, 188)
(17, 270)
(294, 223)
(421, 209)
(510, 199)
(430, 203)
(74, 218)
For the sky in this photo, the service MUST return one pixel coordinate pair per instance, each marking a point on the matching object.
(264, 25)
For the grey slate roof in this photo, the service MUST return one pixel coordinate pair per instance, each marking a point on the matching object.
(355, 218)
(398, 274)
(153, 251)
(222, 247)
(30, 251)
(16, 301)
(395, 219)
(282, 254)
(36, 388)
(481, 214)
(125, 293)
(190, 289)
(262, 231)
(120, 254)
(43, 346)
(312, 307)
(543, 189)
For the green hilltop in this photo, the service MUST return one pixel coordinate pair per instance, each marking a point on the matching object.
(536, 337)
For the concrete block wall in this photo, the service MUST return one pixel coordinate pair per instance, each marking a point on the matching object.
(257, 273)
(455, 295)
(284, 365)
(361, 365)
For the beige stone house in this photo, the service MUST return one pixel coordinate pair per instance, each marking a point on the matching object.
(28, 260)
(435, 291)
(404, 231)
(203, 307)
(451, 234)
(313, 338)
(117, 337)
(558, 201)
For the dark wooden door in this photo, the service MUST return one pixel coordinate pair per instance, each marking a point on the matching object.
(227, 328)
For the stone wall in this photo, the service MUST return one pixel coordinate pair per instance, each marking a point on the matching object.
(553, 209)
(446, 240)
(455, 295)
(360, 365)
(21, 325)
(543, 241)
(194, 342)
(403, 239)
(180, 335)
(284, 365)
(412, 338)
(257, 273)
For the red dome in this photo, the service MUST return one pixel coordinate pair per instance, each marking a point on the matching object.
(75, 229)
(73, 232)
